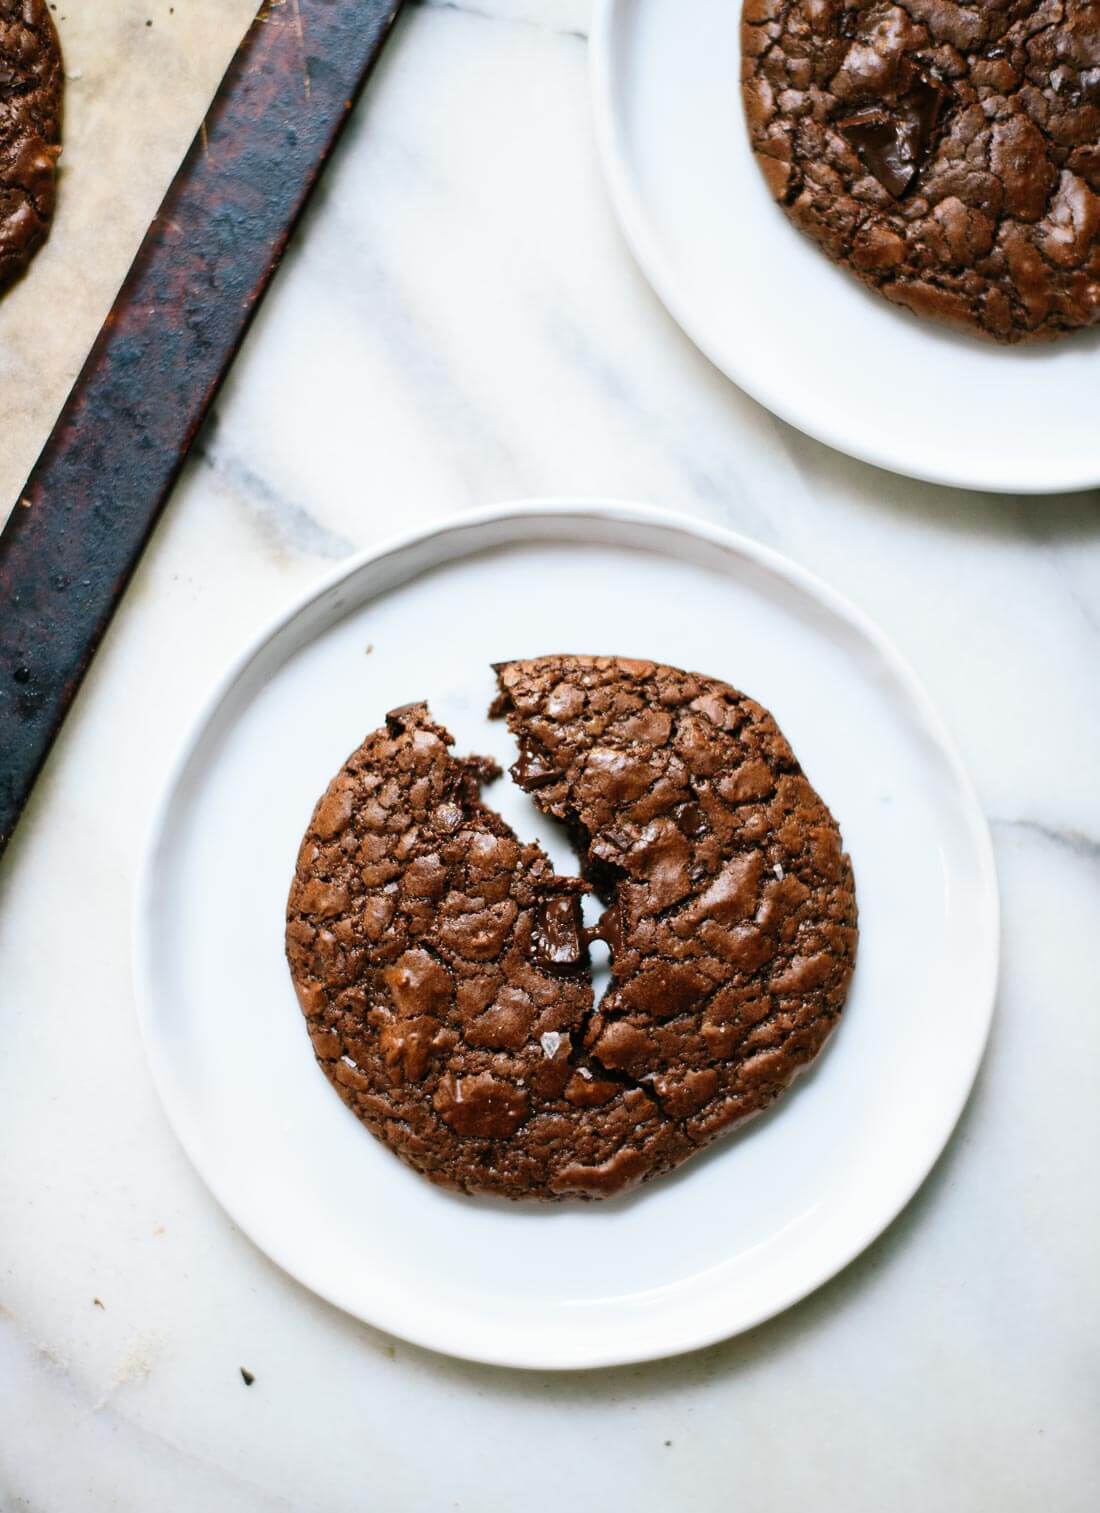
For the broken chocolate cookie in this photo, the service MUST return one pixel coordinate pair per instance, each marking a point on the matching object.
(30, 130)
(947, 156)
(443, 966)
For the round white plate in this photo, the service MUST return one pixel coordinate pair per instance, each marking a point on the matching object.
(798, 334)
(741, 1231)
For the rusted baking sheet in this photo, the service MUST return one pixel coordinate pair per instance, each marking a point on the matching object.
(88, 508)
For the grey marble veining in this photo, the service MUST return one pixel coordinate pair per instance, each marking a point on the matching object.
(289, 524)
(569, 18)
(1087, 847)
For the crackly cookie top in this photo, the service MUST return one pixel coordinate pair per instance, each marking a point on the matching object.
(442, 970)
(30, 130)
(948, 155)
(443, 966)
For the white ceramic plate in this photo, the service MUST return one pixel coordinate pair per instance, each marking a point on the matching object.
(743, 1230)
(770, 310)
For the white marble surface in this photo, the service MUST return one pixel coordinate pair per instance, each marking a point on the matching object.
(461, 324)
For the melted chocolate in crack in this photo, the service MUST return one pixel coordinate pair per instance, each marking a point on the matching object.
(443, 967)
(531, 769)
(559, 939)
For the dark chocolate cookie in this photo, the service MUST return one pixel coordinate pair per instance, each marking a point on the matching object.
(948, 155)
(443, 967)
(30, 130)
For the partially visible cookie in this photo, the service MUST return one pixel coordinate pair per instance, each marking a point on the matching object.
(30, 130)
(947, 155)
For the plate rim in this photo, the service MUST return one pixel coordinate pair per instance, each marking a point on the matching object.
(716, 1326)
(646, 248)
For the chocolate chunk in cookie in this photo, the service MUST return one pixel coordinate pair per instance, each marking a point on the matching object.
(895, 141)
(30, 130)
(948, 157)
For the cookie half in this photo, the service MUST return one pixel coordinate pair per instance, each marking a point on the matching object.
(731, 913)
(948, 156)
